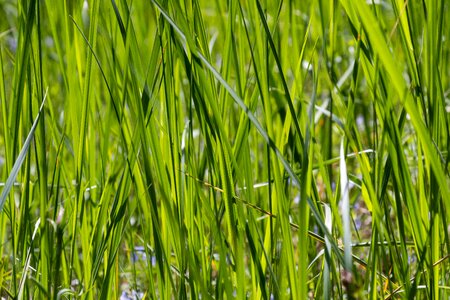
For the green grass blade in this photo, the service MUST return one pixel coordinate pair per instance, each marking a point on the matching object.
(20, 159)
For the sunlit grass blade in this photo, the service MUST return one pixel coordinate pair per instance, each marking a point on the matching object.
(250, 115)
(20, 158)
(224, 149)
(345, 205)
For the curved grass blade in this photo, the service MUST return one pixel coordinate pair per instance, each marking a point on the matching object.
(27, 262)
(20, 158)
(380, 46)
(280, 69)
(318, 217)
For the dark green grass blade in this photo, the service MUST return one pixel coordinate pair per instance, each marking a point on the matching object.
(188, 43)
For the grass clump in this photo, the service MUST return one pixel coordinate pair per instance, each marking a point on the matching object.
(224, 149)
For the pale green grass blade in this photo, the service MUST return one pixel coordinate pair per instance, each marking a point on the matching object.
(27, 270)
(379, 45)
(345, 206)
(20, 159)
(201, 149)
(327, 263)
(250, 115)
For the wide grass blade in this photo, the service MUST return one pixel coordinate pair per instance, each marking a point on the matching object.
(20, 158)
(224, 149)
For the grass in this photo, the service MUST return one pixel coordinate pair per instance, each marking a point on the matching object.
(224, 149)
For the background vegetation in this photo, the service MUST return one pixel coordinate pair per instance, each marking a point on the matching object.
(224, 149)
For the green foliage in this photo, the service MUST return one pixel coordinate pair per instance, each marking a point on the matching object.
(224, 149)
